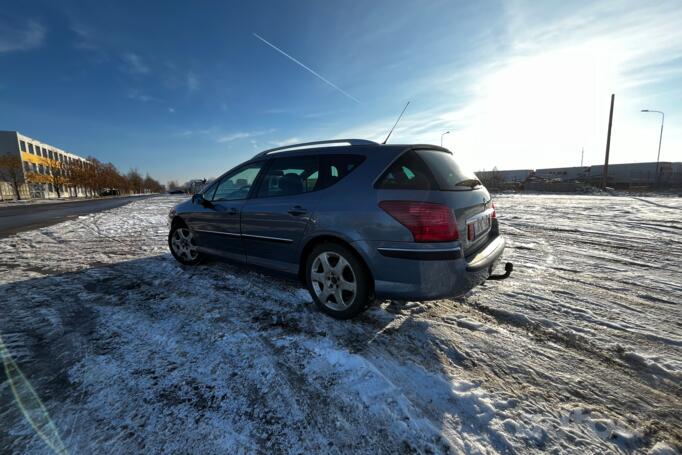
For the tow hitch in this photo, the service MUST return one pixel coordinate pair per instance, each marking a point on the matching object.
(508, 269)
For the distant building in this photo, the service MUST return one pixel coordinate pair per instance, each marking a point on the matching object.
(564, 173)
(676, 174)
(637, 174)
(625, 175)
(513, 176)
(196, 186)
(39, 161)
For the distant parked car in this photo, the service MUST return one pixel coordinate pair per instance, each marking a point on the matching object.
(109, 192)
(176, 192)
(353, 219)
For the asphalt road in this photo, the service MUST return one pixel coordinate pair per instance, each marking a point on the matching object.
(21, 218)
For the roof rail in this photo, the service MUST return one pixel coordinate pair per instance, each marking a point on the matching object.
(306, 145)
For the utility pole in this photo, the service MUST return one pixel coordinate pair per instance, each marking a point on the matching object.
(660, 139)
(608, 144)
(582, 155)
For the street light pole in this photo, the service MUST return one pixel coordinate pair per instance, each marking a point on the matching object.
(660, 140)
(605, 174)
(441, 137)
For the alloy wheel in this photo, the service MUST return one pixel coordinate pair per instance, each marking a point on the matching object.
(184, 245)
(333, 280)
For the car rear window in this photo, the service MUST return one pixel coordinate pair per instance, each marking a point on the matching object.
(449, 175)
(408, 172)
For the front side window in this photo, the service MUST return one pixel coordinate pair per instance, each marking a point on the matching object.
(408, 172)
(22, 144)
(30, 148)
(290, 176)
(236, 185)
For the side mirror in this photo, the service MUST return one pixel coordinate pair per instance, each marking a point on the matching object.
(199, 199)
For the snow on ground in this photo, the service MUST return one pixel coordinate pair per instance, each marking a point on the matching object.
(110, 345)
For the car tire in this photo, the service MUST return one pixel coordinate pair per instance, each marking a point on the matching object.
(337, 280)
(183, 246)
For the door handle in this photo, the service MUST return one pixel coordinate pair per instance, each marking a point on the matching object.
(297, 210)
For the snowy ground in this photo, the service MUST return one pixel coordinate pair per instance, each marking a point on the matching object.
(129, 352)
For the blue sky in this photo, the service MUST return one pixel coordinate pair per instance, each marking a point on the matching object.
(187, 89)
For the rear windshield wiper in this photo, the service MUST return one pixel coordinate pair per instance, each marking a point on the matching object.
(471, 183)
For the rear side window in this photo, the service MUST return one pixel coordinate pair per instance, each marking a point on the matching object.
(449, 175)
(408, 172)
(290, 176)
(335, 167)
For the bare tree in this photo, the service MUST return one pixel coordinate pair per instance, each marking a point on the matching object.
(76, 174)
(97, 177)
(136, 181)
(12, 172)
(59, 177)
(152, 185)
(93, 175)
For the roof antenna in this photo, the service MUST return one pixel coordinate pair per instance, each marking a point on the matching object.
(396, 122)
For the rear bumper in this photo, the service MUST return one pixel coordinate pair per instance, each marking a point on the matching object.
(427, 271)
(486, 258)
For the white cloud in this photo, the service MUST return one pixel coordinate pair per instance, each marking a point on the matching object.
(194, 133)
(242, 135)
(234, 136)
(136, 95)
(171, 110)
(86, 38)
(192, 82)
(20, 36)
(134, 64)
(288, 141)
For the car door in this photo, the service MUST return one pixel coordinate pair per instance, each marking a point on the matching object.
(275, 219)
(217, 222)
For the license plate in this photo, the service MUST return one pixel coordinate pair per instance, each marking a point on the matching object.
(478, 226)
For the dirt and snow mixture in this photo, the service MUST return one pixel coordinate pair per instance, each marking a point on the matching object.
(110, 346)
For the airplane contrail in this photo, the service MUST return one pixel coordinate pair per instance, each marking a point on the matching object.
(319, 76)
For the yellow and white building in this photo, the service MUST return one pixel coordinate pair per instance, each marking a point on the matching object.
(39, 162)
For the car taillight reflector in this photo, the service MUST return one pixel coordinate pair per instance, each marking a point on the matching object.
(426, 221)
(494, 214)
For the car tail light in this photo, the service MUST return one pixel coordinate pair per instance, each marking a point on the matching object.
(494, 214)
(471, 234)
(426, 221)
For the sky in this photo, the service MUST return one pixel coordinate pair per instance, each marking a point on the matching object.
(187, 90)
